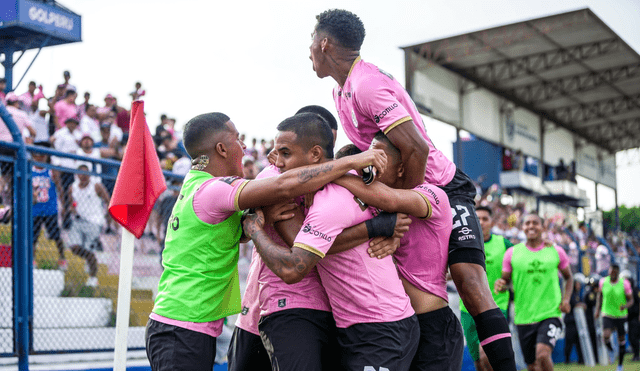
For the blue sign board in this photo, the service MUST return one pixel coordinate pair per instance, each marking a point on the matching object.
(41, 17)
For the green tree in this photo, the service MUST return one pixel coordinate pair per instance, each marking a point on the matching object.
(629, 219)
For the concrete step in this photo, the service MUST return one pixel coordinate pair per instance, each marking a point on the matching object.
(46, 282)
(62, 312)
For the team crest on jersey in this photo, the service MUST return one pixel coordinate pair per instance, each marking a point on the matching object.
(353, 117)
(245, 310)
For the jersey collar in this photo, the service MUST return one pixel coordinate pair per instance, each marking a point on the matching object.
(353, 65)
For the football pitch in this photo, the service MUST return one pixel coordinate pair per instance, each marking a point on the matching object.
(628, 366)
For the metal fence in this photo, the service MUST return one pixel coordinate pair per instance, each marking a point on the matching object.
(76, 255)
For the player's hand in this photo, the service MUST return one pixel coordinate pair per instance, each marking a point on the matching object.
(375, 157)
(272, 157)
(500, 285)
(402, 225)
(565, 307)
(253, 223)
(623, 307)
(381, 247)
(278, 212)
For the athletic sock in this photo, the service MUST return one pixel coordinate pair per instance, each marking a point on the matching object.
(621, 352)
(495, 338)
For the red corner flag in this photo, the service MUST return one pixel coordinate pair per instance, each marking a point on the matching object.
(140, 181)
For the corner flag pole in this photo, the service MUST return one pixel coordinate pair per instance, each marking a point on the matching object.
(124, 300)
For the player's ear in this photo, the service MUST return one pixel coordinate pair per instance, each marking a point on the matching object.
(400, 170)
(316, 154)
(221, 150)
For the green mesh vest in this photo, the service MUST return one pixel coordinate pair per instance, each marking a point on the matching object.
(613, 297)
(536, 284)
(200, 279)
(494, 250)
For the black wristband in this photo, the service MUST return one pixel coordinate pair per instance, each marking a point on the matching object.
(382, 225)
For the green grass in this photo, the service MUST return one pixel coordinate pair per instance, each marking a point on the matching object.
(628, 366)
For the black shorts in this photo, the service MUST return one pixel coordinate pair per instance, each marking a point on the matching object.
(50, 224)
(300, 339)
(615, 324)
(174, 348)
(466, 244)
(441, 343)
(246, 352)
(545, 332)
(379, 346)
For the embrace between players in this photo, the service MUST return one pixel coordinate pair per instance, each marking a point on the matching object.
(322, 294)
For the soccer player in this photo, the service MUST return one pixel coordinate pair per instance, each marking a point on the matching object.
(421, 258)
(538, 301)
(494, 247)
(369, 100)
(614, 299)
(376, 325)
(199, 284)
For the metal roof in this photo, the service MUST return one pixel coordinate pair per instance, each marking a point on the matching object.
(570, 68)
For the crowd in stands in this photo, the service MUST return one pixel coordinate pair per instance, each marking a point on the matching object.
(518, 161)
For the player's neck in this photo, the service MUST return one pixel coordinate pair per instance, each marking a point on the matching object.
(533, 243)
(341, 64)
(486, 237)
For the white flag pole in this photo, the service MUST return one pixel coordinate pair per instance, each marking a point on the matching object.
(124, 301)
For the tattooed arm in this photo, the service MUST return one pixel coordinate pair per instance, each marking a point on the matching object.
(290, 264)
(305, 179)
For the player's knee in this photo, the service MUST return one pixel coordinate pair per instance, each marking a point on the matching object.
(543, 352)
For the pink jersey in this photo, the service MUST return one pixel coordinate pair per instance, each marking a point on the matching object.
(506, 261)
(424, 249)
(250, 314)
(627, 285)
(65, 111)
(276, 295)
(371, 100)
(361, 289)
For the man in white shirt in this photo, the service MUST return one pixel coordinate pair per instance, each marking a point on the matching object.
(66, 140)
(89, 123)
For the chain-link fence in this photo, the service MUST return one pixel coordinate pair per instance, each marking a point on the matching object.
(77, 256)
(7, 166)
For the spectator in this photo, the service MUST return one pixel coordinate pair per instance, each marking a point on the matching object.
(45, 204)
(67, 86)
(90, 198)
(58, 96)
(249, 169)
(41, 126)
(20, 118)
(571, 337)
(109, 102)
(138, 92)
(30, 98)
(87, 149)
(66, 140)
(66, 108)
(115, 132)
(85, 105)
(123, 116)
(90, 124)
(162, 125)
(562, 172)
(603, 260)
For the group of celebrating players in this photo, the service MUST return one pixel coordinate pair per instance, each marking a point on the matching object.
(322, 291)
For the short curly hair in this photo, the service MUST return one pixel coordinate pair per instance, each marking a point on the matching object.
(344, 26)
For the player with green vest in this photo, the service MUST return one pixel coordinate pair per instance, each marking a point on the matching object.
(494, 248)
(614, 298)
(199, 286)
(533, 269)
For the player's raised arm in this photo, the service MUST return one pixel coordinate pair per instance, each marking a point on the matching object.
(414, 151)
(306, 179)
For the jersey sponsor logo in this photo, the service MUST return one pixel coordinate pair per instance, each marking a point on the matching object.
(534, 267)
(308, 228)
(229, 179)
(382, 114)
(174, 222)
(245, 310)
(432, 193)
(282, 303)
